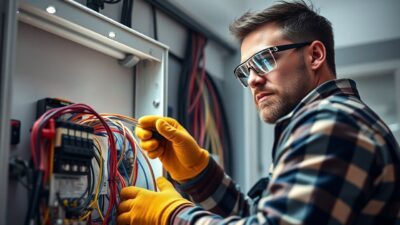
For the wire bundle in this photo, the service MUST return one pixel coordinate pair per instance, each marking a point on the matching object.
(126, 143)
(201, 109)
(121, 149)
(126, 13)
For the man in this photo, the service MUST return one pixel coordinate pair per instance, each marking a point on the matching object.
(335, 161)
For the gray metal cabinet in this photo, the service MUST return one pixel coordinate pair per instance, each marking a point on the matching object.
(57, 48)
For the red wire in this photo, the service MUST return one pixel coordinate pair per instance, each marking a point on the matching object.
(78, 108)
(123, 184)
(196, 105)
(194, 74)
(194, 65)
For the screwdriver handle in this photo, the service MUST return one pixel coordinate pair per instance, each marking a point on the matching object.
(157, 136)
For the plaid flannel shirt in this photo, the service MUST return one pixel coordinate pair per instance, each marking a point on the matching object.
(335, 161)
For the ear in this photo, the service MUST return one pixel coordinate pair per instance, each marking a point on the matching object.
(316, 55)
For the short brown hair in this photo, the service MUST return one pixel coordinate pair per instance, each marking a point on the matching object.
(299, 23)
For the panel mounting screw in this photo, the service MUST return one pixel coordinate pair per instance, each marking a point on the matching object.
(156, 103)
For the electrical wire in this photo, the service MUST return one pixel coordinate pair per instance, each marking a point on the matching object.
(111, 1)
(117, 123)
(121, 147)
(44, 129)
(155, 26)
(126, 13)
(200, 107)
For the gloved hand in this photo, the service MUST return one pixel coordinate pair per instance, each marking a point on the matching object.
(140, 206)
(179, 153)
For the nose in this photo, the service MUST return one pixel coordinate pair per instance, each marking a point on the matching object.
(255, 79)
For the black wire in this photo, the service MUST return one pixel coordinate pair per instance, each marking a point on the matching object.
(130, 13)
(196, 64)
(126, 13)
(154, 12)
(96, 5)
(103, 203)
(183, 102)
(25, 184)
(123, 12)
(226, 137)
(175, 57)
(84, 207)
(34, 199)
(183, 82)
(112, 2)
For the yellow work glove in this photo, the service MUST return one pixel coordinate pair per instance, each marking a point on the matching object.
(179, 153)
(140, 206)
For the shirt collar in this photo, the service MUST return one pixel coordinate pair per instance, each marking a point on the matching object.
(331, 87)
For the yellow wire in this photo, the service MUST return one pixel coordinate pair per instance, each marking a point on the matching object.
(116, 120)
(134, 122)
(99, 211)
(95, 201)
(46, 216)
(211, 129)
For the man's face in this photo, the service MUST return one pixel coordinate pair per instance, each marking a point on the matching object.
(279, 91)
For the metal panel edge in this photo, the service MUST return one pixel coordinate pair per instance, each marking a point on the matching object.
(153, 80)
(8, 60)
(70, 13)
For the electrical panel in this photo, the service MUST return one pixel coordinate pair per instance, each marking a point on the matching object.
(68, 159)
(81, 160)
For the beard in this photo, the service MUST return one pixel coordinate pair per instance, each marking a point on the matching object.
(282, 103)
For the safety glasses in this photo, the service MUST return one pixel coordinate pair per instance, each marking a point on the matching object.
(262, 62)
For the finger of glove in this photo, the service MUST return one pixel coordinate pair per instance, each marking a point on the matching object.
(156, 153)
(130, 192)
(148, 121)
(143, 134)
(163, 184)
(124, 218)
(149, 145)
(125, 206)
(170, 132)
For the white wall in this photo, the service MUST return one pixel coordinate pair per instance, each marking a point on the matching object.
(362, 21)
(355, 22)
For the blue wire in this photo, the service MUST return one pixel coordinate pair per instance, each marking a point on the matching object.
(144, 172)
(141, 166)
(125, 172)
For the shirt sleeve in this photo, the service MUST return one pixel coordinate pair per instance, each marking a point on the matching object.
(215, 191)
(323, 175)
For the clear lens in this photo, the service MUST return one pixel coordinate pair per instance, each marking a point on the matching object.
(262, 63)
(242, 73)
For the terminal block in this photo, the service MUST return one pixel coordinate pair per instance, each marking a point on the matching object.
(73, 148)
